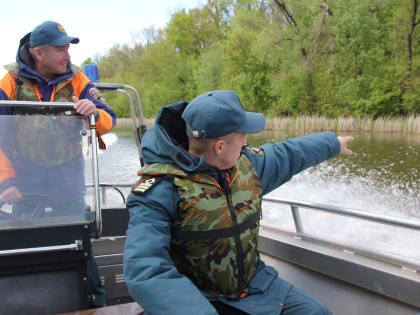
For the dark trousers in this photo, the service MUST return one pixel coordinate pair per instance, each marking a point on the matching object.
(225, 309)
(296, 303)
(97, 295)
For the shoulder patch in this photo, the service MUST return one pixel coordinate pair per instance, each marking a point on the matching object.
(144, 184)
(256, 151)
(94, 92)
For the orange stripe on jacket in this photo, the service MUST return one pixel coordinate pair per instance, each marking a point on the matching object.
(104, 122)
(6, 168)
(37, 91)
(8, 85)
(79, 83)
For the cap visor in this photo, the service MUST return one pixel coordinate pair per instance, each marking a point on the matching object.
(64, 40)
(255, 122)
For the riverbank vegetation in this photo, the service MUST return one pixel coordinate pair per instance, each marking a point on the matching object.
(304, 63)
(302, 124)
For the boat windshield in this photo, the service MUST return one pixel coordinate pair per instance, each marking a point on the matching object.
(45, 162)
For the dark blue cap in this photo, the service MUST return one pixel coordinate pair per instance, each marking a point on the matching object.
(50, 33)
(218, 113)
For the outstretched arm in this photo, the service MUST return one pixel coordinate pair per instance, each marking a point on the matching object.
(278, 163)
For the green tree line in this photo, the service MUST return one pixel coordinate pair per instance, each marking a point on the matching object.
(282, 57)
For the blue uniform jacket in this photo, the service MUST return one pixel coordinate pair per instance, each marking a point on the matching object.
(151, 277)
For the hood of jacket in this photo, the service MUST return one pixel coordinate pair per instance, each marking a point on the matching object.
(26, 64)
(167, 142)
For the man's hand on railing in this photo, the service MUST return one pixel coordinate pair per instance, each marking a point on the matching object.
(343, 144)
(84, 107)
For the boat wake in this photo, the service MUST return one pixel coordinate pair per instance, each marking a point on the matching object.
(332, 184)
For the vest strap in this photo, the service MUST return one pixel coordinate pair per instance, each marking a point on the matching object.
(215, 234)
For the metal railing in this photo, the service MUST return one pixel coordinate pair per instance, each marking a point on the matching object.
(76, 246)
(375, 217)
(362, 215)
(139, 126)
(104, 187)
(68, 105)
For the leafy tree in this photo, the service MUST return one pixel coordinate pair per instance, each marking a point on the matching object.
(208, 75)
(282, 57)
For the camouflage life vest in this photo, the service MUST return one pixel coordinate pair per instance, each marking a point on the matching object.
(47, 140)
(214, 240)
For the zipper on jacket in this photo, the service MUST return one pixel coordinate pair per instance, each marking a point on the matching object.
(239, 252)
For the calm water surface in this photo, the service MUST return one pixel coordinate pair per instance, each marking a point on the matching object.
(382, 176)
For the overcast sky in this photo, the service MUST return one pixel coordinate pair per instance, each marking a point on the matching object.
(99, 24)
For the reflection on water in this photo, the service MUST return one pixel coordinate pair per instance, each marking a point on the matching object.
(381, 176)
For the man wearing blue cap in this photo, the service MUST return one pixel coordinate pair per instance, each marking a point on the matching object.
(43, 72)
(191, 243)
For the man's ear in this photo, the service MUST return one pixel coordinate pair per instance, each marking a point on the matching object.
(219, 146)
(37, 53)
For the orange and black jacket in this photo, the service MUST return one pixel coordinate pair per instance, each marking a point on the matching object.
(22, 74)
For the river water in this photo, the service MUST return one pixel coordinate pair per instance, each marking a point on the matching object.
(382, 176)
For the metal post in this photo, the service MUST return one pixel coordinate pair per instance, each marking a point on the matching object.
(103, 190)
(142, 129)
(138, 130)
(297, 219)
(95, 170)
(135, 124)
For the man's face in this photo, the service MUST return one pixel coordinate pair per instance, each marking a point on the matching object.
(52, 60)
(232, 150)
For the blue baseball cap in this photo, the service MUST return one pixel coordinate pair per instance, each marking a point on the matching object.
(51, 33)
(218, 113)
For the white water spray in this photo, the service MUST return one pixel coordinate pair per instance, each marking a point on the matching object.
(332, 184)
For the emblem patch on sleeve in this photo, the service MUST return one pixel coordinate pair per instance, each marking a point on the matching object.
(94, 92)
(144, 184)
(256, 151)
